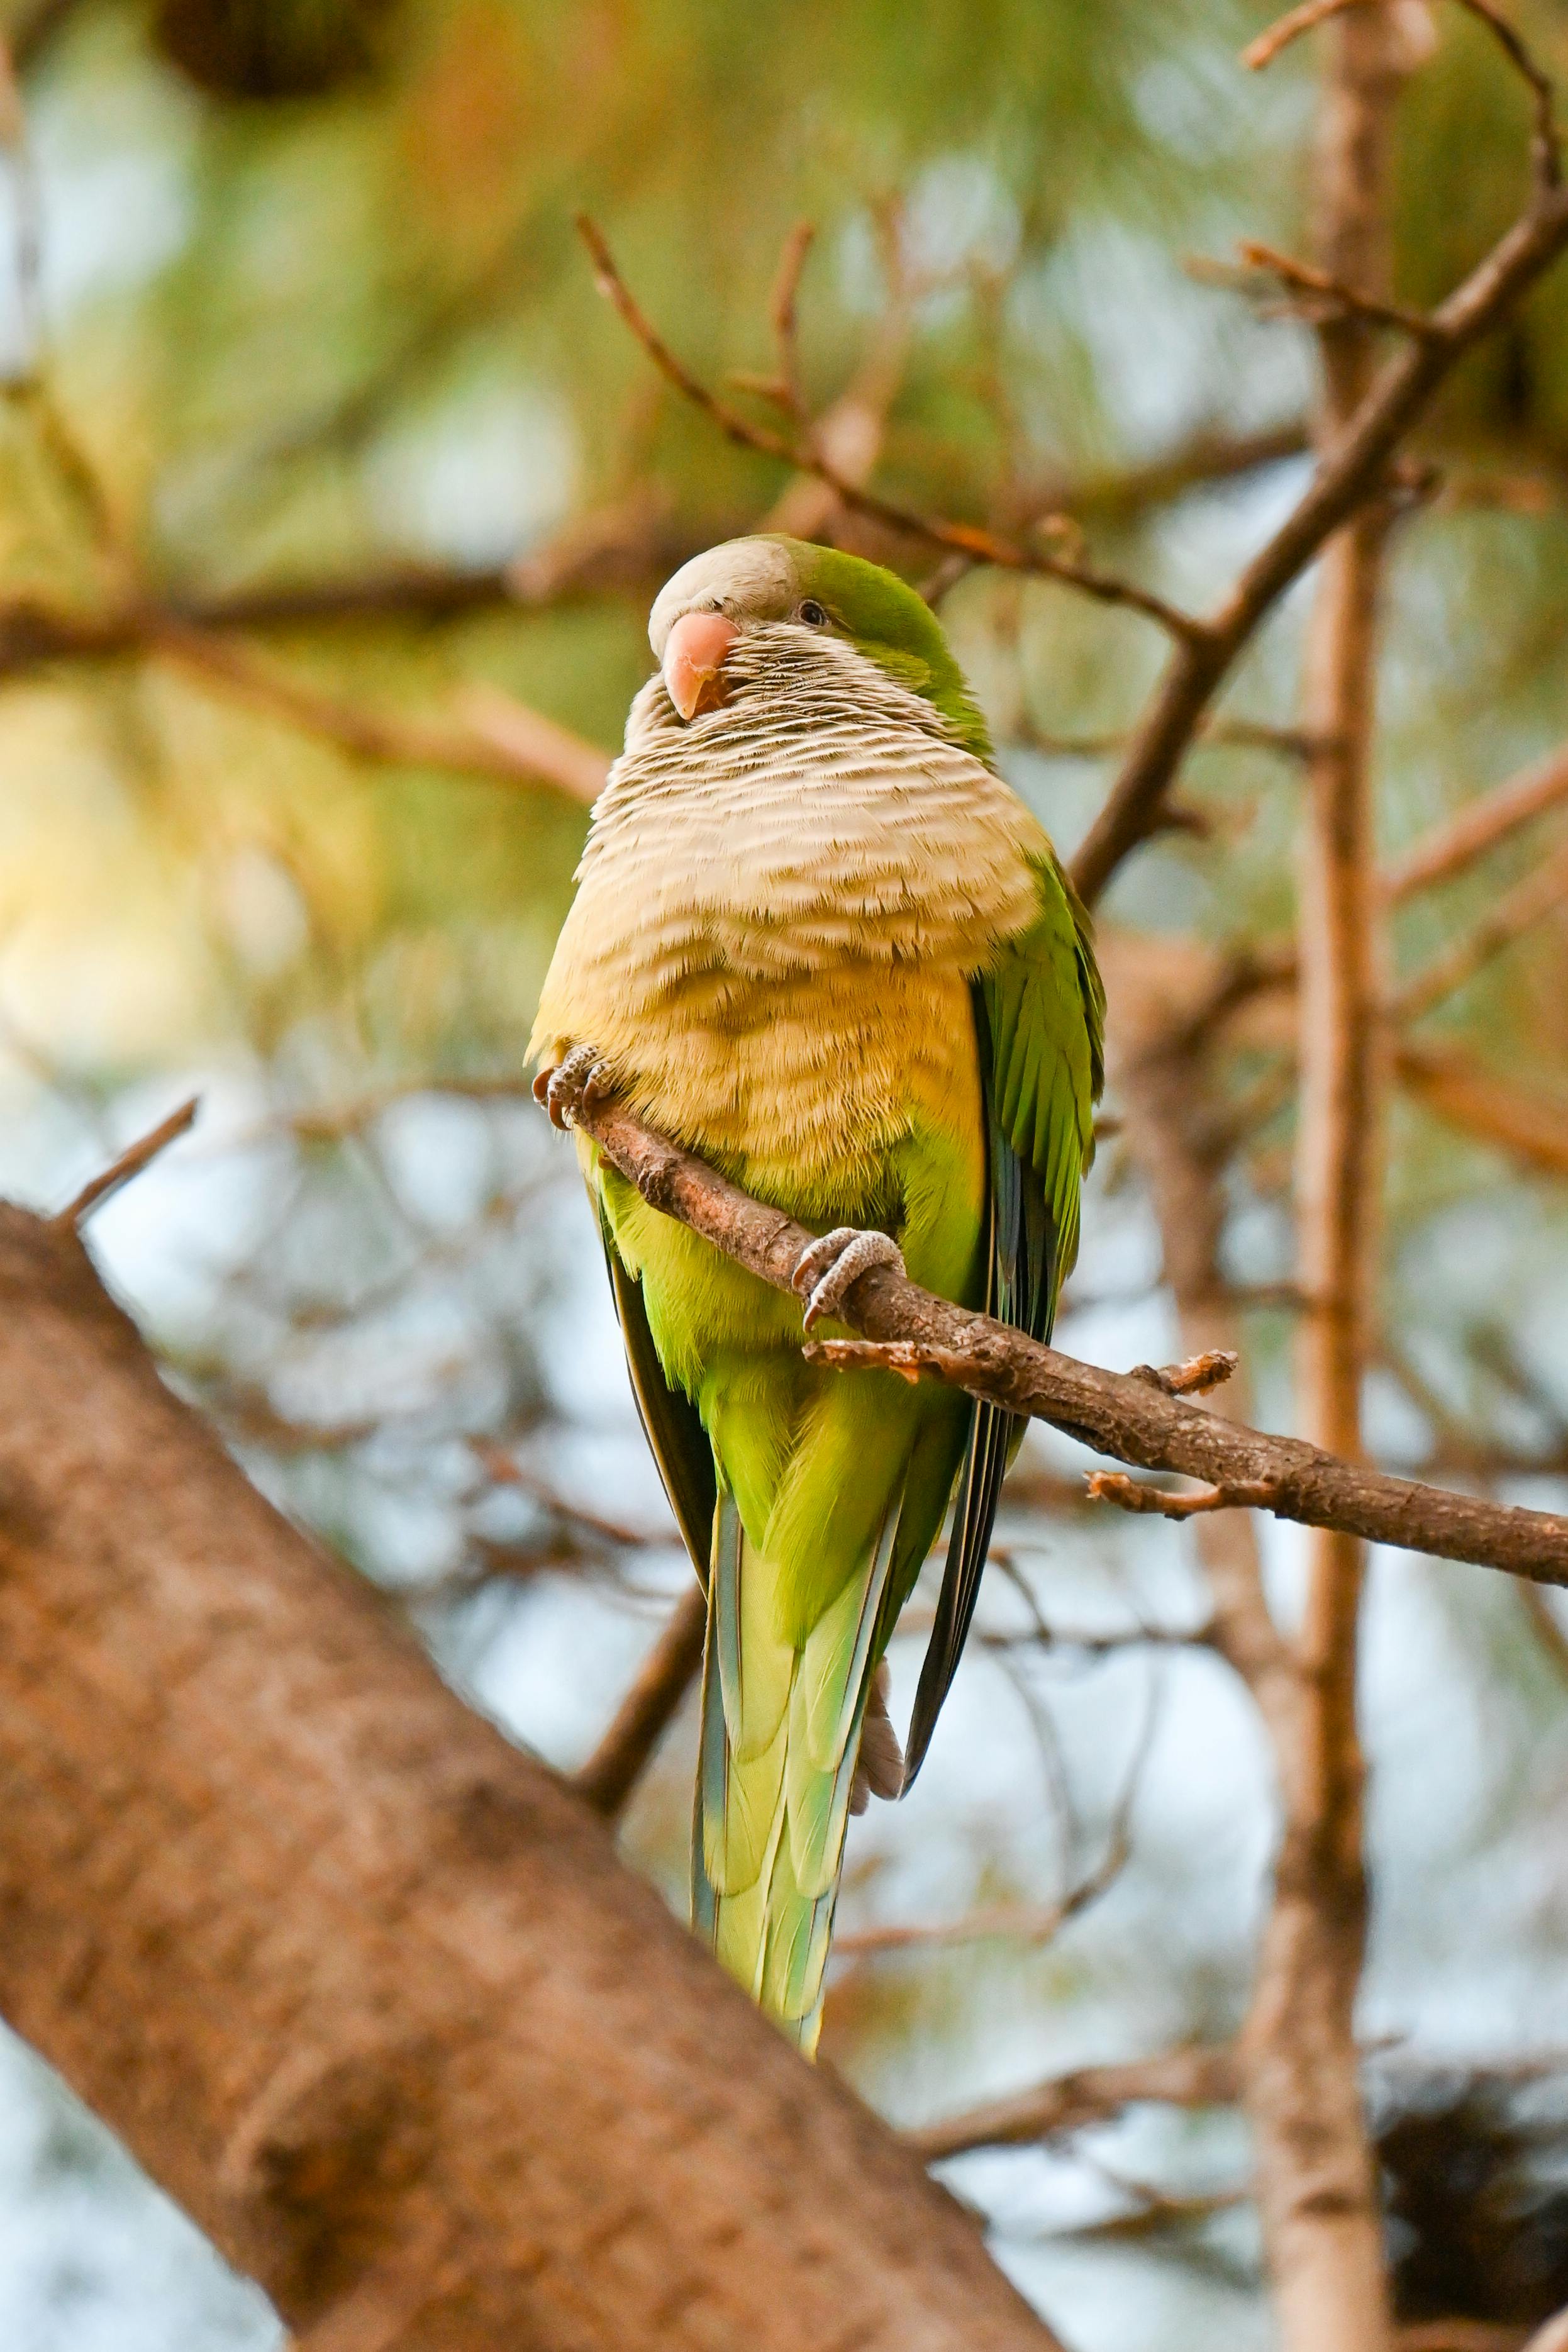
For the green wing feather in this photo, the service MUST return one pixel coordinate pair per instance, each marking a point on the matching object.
(1039, 1018)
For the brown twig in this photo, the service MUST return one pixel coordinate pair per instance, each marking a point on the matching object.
(1210, 1369)
(1125, 1418)
(1202, 2078)
(1137, 1495)
(782, 310)
(1545, 141)
(1012, 1923)
(1546, 145)
(964, 539)
(1531, 1128)
(639, 1722)
(504, 1467)
(127, 1166)
(1030, 1924)
(1449, 850)
(1517, 911)
(1341, 299)
(503, 743)
(1478, 826)
(1261, 52)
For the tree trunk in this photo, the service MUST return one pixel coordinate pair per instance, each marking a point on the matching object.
(1322, 2223)
(364, 1987)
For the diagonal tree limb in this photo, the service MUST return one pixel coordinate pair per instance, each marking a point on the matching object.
(1129, 1418)
(1350, 471)
(361, 1985)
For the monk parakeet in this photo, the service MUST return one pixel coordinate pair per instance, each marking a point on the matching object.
(818, 941)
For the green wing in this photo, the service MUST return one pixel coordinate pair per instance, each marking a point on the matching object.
(670, 1421)
(1040, 1019)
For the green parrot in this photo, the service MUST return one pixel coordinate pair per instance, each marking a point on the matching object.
(818, 941)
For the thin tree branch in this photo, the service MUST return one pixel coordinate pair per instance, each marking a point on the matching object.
(504, 741)
(1032, 1923)
(1201, 2077)
(1262, 52)
(915, 1333)
(1449, 850)
(1475, 828)
(504, 1467)
(1528, 903)
(129, 1166)
(1530, 1127)
(1340, 298)
(1546, 153)
(783, 311)
(962, 538)
(1136, 1494)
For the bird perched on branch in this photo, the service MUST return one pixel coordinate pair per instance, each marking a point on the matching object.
(819, 941)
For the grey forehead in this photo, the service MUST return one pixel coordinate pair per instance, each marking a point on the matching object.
(749, 576)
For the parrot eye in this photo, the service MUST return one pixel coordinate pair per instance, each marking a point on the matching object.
(813, 615)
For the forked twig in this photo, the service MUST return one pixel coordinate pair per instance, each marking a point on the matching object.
(1545, 142)
(1137, 1495)
(964, 539)
(1318, 283)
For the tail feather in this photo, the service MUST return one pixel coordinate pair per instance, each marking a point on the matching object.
(780, 1737)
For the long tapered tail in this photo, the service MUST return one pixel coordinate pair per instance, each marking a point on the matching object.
(780, 1733)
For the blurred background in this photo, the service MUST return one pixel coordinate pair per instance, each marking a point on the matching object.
(325, 475)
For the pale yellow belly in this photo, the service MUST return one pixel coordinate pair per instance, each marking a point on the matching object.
(804, 1085)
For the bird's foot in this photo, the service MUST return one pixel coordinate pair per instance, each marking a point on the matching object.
(582, 1076)
(879, 1767)
(826, 1268)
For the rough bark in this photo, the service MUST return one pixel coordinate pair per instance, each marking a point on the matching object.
(364, 1987)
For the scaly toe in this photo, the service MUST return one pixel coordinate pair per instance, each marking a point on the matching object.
(817, 1256)
(827, 1269)
(583, 1075)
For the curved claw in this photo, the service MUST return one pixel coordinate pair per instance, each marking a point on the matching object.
(826, 1268)
(583, 1076)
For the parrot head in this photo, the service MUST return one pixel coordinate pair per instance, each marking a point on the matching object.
(762, 583)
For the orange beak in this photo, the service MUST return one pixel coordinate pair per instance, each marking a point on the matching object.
(693, 658)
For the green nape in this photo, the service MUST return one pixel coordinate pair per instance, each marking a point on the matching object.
(892, 625)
